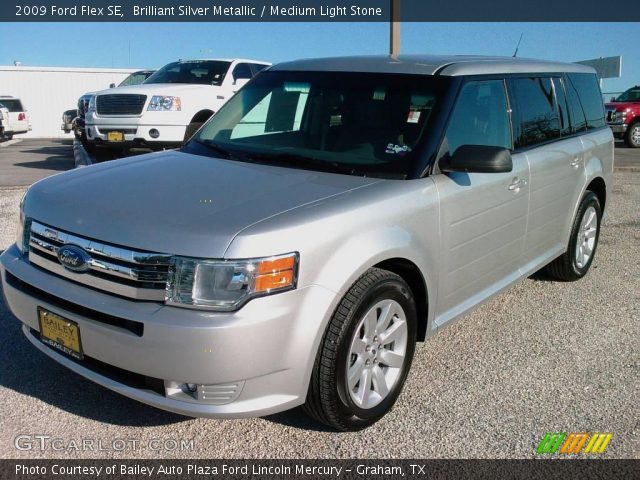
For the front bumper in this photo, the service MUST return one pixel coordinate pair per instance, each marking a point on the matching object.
(265, 350)
(618, 128)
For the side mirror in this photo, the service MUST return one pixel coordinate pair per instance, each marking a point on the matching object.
(479, 159)
(613, 99)
(240, 82)
(112, 85)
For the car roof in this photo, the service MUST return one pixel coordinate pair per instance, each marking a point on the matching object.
(445, 65)
(261, 62)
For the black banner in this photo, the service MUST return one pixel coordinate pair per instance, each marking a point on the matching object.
(315, 11)
(319, 469)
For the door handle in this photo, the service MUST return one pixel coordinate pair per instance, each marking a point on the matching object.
(517, 184)
(575, 163)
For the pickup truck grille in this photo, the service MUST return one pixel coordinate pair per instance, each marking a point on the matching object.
(120, 104)
(113, 269)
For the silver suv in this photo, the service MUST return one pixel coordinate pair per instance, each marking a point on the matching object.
(333, 213)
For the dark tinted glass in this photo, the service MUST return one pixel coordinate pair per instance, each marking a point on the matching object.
(563, 109)
(258, 67)
(578, 120)
(242, 70)
(480, 117)
(205, 72)
(337, 121)
(536, 119)
(586, 85)
(13, 104)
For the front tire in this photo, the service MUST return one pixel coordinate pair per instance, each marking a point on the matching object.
(192, 128)
(585, 231)
(632, 135)
(365, 354)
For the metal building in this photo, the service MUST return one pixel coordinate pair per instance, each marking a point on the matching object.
(46, 92)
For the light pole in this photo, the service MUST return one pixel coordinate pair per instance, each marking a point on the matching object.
(394, 29)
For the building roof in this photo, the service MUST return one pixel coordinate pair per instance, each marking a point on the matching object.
(447, 65)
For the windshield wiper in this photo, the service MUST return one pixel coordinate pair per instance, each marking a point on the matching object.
(214, 147)
(301, 161)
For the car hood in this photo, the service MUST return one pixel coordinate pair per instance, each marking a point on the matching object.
(157, 89)
(174, 202)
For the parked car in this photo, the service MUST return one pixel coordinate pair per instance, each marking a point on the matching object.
(623, 116)
(331, 214)
(4, 121)
(167, 107)
(68, 120)
(18, 121)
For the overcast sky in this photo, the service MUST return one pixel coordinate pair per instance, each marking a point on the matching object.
(155, 44)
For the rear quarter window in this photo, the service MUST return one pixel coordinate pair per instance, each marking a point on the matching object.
(586, 85)
(536, 118)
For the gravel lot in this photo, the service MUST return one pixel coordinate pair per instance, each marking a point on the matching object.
(542, 357)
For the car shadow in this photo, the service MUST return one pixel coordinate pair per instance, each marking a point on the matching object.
(296, 418)
(26, 370)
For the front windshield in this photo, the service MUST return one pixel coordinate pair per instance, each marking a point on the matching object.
(205, 72)
(358, 123)
(631, 95)
(135, 78)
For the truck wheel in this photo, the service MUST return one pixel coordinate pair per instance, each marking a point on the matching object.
(632, 135)
(366, 353)
(575, 262)
(192, 128)
(8, 135)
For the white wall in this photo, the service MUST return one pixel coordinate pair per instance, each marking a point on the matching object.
(46, 92)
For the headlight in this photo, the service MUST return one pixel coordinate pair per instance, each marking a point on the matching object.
(227, 285)
(161, 103)
(24, 230)
(92, 104)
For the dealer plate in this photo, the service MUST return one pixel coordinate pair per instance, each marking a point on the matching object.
(60, 333)
(115, 136)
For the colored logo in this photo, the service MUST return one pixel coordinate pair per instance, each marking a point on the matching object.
(574, 443)
(74, 258)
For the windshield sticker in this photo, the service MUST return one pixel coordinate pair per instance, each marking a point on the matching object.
(414, 116)
(394, 149)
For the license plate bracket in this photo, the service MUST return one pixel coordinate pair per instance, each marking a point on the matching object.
(60, 333)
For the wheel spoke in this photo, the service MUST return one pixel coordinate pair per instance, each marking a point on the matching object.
(358, 346)
(380, 382)
(364, 389)
(370, 323)
(394, 332)
(590, 233)
(355, 373)
(387, 314)
(391, 358)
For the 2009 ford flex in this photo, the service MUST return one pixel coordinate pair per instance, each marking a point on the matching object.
(332, 213)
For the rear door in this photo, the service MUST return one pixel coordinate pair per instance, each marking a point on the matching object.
(542, 131)
(482, 215)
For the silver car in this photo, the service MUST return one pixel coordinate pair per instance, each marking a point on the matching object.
(332, 214)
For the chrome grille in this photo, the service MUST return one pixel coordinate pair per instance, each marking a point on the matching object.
(114, 269)
(120, 104)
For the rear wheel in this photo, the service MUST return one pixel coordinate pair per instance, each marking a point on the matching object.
(365, 354)
(632, 135)
(8, 135)
(575, 262)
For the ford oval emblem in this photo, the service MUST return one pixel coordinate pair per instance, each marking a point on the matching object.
(74, 258)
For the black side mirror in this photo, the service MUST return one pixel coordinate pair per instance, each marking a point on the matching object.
(479, 159)
(613, 99)
(112, 85)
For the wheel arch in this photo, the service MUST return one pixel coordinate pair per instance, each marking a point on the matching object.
(599, 187)
(202, 116)
(411, 274)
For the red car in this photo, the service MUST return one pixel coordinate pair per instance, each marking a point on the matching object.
(623, 116)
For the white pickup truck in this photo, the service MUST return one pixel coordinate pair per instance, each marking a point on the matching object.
(168, 107)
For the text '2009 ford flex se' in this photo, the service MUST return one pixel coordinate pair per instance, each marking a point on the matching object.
(330, 215)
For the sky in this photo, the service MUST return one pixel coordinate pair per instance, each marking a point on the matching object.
(151, 45)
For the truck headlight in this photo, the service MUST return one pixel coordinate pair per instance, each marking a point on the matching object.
(24, 230)
(226, 285)
(92, 104)
(160, 103)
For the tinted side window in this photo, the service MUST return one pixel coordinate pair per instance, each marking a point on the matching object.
(242, 70)
(565, 125)
(536, 119)
(588, 90)
(578, 120)
(480, 116)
